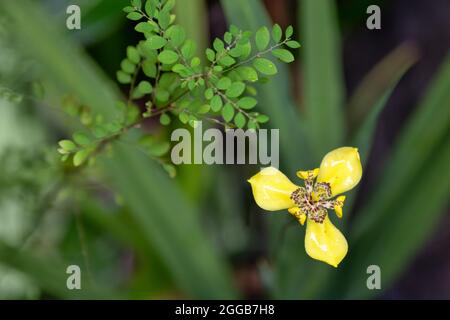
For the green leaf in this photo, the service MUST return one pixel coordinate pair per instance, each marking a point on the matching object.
(149, 54)
(168, 57)
(234, 30)
(67, 145)
(228, 37)
(145, 87)
(247, 73)
(209, 93)
(193, 121)
(80, 157)
(193, 17)
(284, 55)
(235, 89)
(293, 44)
(228, 112)
(179, 68)
(169, 5)
(164, 119)
(156, 42)
(82, 139)
(204, 109)
(133, 55)
(322, 73)
(265, 66)
(162, 95)
(145, 27)
(227, 61)
(45, 272)
(262, 38)
(150, 8)
(218, 45)
(247, 103)
(127, 66)
(236, 52)
(184, 117)
(277, 33)
(170, 169)
(123, 77)
(262, 118)
(210, 54)
(128, 9)
(134, 16)
(176, 34)
(195, 62)
(289, 32)
(252, 124)
(370, 97)
(164, 19)
(136, 4)
(144, 184)
(377, 82)
(224, 83)
(216, 103)
(245, 49)
(188, 49)
(240, 120)
(149, 69)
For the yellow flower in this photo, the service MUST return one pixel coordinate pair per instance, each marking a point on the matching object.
(340, 171)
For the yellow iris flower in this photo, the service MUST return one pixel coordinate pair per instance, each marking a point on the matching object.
(340, 171)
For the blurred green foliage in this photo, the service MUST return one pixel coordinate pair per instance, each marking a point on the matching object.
(136, 232)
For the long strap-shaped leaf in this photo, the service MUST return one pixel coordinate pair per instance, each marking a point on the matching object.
(323, 79)
(49, 274)
(410, 192)
(370, 99)
(392, 243)
(373, 93)
(417, 141)
(156, 203)
(170, 223)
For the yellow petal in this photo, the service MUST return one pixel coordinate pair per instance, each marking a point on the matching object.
(324, 242)
(309, 174)
(338, 206)
(272, 189)
(298, 214)
(341, 168)
(338, 210)
(302, 219)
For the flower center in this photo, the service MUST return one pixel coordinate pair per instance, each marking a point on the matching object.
(313, 201)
